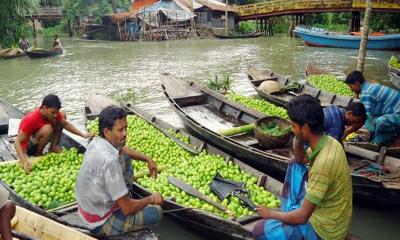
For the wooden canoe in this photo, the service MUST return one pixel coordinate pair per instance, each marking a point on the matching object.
(39, 227)
(43, 53)
(390, 151)
(206, 112)
(394, 74)
(67, 214)
(204, 223)
(248, 35)
(257, 76)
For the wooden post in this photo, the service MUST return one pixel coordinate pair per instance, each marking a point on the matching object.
(364, 38)
(70, 29)
(34, 28)
(226, 17)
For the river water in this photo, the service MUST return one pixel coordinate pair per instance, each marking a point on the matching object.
(113, 67)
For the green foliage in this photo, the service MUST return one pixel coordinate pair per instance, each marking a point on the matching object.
(50, 2)
(394, 62)
(247, 27)
(385, 22)
(51, 31)
(128, 95)
(221, 86)
(13, 23)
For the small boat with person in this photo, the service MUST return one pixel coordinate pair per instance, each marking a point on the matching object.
(40, 53)
(206, 112)
(258, 76)
(322, 38)
(63, 212)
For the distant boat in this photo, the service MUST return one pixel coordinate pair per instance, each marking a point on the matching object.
(322, 38)
(43, 53)
(231, 36)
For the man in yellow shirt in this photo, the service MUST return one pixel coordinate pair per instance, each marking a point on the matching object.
(322, 208)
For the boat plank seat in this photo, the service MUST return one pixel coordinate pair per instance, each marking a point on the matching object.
(192, 99)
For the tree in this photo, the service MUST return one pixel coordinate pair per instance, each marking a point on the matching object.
(364, 39)
(13, 20)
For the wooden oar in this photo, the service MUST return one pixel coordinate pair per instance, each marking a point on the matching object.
(177, 140)
(196, 193)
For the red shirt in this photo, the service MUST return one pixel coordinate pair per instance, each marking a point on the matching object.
(34, 121)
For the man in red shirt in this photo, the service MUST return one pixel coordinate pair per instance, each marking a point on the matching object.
(41, 126)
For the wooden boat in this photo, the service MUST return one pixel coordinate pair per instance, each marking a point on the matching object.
(206, 112)
(9, 53)
(394, 74)
(389, 151)
(67, 214)
(231, 36)
(43, 53)
(201, 222)
(257, 76)
(35, 226)
(322, 38)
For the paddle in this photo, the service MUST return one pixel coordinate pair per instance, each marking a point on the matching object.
(166, 133)
(195, 193)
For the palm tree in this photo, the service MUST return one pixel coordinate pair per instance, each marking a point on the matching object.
(364, 39)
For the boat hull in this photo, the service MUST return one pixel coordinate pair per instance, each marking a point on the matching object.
(324, 39)
(43, 54)
(249, 35)
(394, 74)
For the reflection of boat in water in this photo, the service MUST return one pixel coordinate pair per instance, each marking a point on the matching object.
(323, 38)
(8, 53)
(43, 53)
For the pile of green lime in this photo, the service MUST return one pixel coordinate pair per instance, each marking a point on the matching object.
(330, 83)
(394, 62)
(196, 170)
(51, 182)
(263, 106)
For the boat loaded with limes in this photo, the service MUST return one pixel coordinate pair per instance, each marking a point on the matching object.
(312, 71)
(208, 114)
(257, 77)
(49, 189)
(196, 164)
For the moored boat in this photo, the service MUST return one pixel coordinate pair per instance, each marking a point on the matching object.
(322, 38)
(35, 226)
(394, 75)
(206, 112)
(257, 77)
(233, 36)
(43, 53)
(200, 221)
(9, 53)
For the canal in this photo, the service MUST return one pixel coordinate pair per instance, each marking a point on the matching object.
(113, 68)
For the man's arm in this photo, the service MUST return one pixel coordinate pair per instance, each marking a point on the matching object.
(299, 153)
(21, 137)
(130, 206)
(71, 128)
(351, 129)
(298, 216)
(141, 157)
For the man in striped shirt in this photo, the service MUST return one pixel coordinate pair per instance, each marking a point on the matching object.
(325, 211)
(382, 105)
(340, 122)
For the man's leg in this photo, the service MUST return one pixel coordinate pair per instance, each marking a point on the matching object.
(7, 212)
(55, 143)
(43, 137)
(118, 223)
(386, 129)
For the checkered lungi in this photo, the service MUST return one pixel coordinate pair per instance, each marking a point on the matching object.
(293, 194)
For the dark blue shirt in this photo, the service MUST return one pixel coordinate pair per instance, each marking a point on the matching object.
(334, 123)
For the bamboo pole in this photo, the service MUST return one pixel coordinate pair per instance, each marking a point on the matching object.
(364, 39)
(226, 17)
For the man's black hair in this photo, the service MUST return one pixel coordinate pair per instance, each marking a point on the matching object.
(52, 101)
(306, 109)
(354, 77)
(358, 109)
(108, 116)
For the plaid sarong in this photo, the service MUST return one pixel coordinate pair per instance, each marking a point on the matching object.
(293, 194)
(383, 129)
(118, 223)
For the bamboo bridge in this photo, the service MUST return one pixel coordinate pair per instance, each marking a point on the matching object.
(296, 7)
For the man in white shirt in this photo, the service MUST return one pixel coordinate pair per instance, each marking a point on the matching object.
(101, 189)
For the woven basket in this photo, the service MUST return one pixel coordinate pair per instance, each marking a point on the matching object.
(269, 141)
